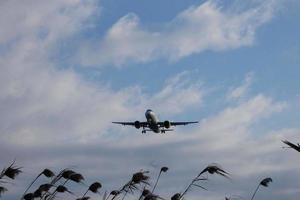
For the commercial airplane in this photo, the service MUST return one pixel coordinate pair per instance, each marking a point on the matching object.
(153, 124)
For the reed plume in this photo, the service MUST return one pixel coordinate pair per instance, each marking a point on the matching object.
(136, 179)
(265, 182)
(83, 198)
(211, 169)
(59, 189)
(93, 188)
(46, 172)
(10, 172)
(291, 145)
(163, 169)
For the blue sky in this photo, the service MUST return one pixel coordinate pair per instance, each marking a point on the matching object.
(68, 68)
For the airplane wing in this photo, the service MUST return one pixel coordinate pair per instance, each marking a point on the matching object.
(162, 124)
(142, 124)
(182, 123)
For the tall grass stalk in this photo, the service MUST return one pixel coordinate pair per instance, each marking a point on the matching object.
(265, 182)
(163, 169)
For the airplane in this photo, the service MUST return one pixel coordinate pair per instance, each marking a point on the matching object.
(153, 124)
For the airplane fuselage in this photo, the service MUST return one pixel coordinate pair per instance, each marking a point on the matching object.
(152, 120)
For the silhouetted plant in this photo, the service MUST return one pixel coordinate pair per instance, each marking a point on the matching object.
(73, 176)
(176, 196)
(114, 194)
(76, 177)
(43, 190)
(163, 169)
(137, 179)
(291, 145)
(148, 195)
(28, 196)
(10, 172)
(59, 189)
(83, 198)
(211, 169)
(93, 188)
(2, 190)
(138, 182)
(66, 175)
(37, 193)
(152, 196)
(214, 169)
(46, 187)
(46, 172)
(265, 182)
(144, 193)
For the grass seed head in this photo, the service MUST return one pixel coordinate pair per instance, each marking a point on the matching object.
(48, 173)
(37, 193)
(115, 192)
(76, 177)
(12, 171)
(61, 189)
(67, 173)
(139, 177)
(214, 169)
(146, 192)
(164, 169)
(150, 197)
(265, 182)
(176, 196)
(45, 187)
(95, 187)
(28, 196)
(84, 198)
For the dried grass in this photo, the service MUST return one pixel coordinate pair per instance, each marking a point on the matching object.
(138, 183)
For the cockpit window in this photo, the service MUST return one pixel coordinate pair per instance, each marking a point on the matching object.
(149, 110)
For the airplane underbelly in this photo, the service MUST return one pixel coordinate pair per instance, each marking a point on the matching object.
(155, 128)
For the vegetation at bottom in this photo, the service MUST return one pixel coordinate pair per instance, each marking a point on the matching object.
(137, 187)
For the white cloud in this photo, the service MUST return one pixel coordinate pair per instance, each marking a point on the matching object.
(48, 21)
(198, 28)
(177, 95)
(240, 92)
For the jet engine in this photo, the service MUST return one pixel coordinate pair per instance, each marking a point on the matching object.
(137, 124)
(167, 124)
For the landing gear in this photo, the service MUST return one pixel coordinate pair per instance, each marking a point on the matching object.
(163, 131)
(143, 131)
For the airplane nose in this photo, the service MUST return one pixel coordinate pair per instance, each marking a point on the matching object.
(148, 113)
